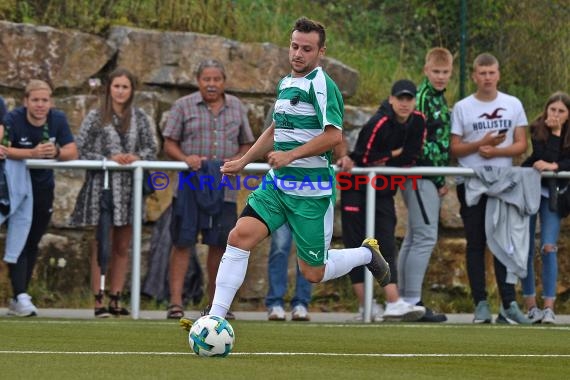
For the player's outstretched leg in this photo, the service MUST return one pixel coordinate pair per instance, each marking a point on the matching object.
(378, 265)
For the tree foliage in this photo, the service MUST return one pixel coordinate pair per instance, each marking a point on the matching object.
(383, 39)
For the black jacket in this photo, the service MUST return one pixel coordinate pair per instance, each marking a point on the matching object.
(550, 150)
(382, 134)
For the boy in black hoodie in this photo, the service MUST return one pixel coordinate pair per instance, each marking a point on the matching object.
(393, 136)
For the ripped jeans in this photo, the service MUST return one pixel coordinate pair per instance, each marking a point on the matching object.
(549, 231)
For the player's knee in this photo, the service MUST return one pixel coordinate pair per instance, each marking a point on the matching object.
(314, 278)
(313, 274)
(236, 236)
(244, 238)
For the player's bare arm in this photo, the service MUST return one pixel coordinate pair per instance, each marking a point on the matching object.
(331, 137)
(343, 161)
(242, 151)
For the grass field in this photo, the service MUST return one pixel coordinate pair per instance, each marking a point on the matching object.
(127, 349)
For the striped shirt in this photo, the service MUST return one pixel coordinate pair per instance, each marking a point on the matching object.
(199, 132)
(304, 107)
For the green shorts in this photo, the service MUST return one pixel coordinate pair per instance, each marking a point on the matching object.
(310, 219)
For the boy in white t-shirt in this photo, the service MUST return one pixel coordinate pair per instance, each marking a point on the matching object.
(488, 128)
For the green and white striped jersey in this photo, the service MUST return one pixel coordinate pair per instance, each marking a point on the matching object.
(303, 108)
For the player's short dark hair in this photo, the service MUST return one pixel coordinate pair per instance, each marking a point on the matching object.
(304, 25)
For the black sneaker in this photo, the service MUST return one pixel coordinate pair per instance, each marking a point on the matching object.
(115, 308)
(431, 316)
(229, 315)
(378, 265)
(102, 312)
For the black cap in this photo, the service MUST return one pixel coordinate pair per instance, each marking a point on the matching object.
(404, 87)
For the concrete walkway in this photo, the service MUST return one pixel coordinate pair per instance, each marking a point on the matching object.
(240, 315)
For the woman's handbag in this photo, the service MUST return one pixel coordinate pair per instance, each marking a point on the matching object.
(563, 201)
(147, 188)
(558, 197)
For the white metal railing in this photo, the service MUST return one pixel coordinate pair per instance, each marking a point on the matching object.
(138, 167)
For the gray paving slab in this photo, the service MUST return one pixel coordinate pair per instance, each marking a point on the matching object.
(240, 315)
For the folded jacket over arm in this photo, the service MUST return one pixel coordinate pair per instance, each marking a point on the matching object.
(513, 196)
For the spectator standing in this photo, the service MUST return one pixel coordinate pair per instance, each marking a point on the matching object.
(121, 132)
(298, 189)
(203, 128)
(277, 268)
(36, 130)
(488, 129)
(424, 202)
(392, 137)
(550, 138)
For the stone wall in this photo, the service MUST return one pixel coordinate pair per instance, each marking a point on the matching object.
(164, 63)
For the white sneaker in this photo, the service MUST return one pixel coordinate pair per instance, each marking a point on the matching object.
(377, 311)
(403, 311)
(300, 313)
(22, 306)
(276, 313)
(535, 314)
(549, 317)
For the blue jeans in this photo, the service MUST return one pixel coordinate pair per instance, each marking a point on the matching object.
(281, 240)
(549, 231)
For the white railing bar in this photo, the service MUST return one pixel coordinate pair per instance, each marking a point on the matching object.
(139, 166)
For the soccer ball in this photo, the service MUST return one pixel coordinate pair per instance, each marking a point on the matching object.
(211, 336)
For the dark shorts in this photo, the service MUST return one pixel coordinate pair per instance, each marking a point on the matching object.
(216, 235)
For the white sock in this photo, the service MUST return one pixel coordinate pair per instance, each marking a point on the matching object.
(341, 261)
(412, 300)
(231, 274)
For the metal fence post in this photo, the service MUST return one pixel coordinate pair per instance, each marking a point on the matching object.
(137, 237)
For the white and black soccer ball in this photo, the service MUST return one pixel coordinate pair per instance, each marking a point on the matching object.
(211, 336)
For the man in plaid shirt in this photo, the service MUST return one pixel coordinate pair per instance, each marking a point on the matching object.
(205, 125)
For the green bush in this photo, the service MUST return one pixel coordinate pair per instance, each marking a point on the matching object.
(383, 39)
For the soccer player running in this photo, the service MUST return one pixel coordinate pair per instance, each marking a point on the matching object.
(299, 188)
